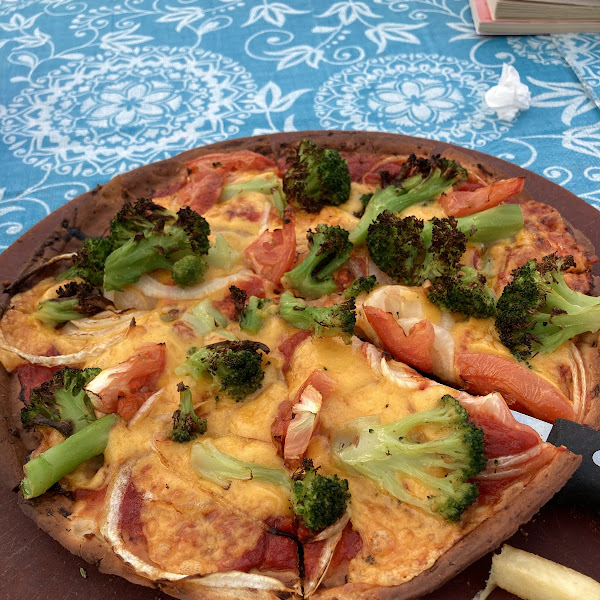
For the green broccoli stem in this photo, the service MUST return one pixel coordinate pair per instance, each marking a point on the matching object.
(221, 468)
(485, 227)
(265, 184)
(396, 199)
(491, 225)
(52, 465)
(221, 255)
(571, 325)
(279, 201)
(134, 258)
(554, 327)
(55, 312)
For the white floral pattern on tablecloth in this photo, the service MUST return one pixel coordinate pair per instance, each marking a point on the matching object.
(414, 94)
(91, 89)
(114, 112)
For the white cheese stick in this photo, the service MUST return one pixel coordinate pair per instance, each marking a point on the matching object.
(532, 577)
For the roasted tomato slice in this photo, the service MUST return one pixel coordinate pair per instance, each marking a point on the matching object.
(125, 387)
(461, 203)
(413, 348)
(526, 390)
(273, 253)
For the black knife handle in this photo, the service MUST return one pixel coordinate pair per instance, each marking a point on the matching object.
(584, 486)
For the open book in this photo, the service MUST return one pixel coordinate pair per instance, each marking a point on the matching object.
(553, 16)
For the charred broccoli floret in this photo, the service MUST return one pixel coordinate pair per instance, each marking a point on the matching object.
(253, 311)
(317, 499)
(62, 402)
(317, 177)
(412, 251)
(235, 366)
(397, 459)
(465, 292)
(186, 424)
(359, 285)
(538, 311)
(157, 240)
(338, 319)
(45, 470)
(420, 180)
(329, 249)
(144, 237)
(75, 300)
(89, 261)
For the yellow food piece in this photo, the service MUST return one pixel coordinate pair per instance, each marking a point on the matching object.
(532, 577)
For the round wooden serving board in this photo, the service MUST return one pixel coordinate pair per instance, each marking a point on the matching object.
(35, 567)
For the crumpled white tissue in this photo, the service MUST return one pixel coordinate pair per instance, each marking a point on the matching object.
(509, 96)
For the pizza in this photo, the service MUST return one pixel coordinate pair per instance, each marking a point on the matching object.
(235, 378)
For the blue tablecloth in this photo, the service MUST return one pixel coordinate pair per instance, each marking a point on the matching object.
(89, 89)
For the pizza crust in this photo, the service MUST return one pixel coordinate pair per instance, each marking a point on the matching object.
(90, 214)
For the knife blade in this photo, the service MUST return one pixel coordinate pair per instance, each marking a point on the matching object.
(584, 486)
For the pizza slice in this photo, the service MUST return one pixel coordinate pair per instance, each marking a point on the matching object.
(375, 420)
(469, 354)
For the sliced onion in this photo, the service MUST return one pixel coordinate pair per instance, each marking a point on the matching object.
(303, 423)
(95, 388)
(144, 409)
(374, 358)
(406, 304)
(266, 218)
(154, 289)
(503, 462)
(442, 350)
(62, 359)
(239, 579)
(311, 585)
(130, 298)
(579, 393)
(334, 529)
(402, 301)
(106, 323)
(402, 376)
(510, 466)
(493, 404)
(224, 229)
(36, 269)
(373, 269)
(111, 531)
(357, 343)
(442, 354)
